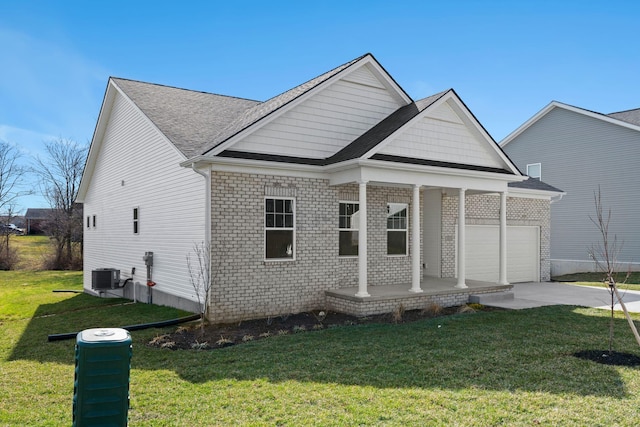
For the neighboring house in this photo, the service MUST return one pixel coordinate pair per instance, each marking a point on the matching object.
(36, 219)
(318, 198)
(584, 152)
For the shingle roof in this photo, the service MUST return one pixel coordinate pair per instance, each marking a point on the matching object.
(534, 184)
(196, 122)
(38, 213)
(629, 116)
(188, 118)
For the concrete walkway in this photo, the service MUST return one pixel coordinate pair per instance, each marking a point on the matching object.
(534, 294)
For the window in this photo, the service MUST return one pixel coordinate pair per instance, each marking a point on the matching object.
(534, 170)
(136, 221)
(88, 222)
(279, 225)
(349, 224)
(397, 228)
(94, 221)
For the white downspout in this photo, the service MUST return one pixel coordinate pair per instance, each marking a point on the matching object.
(207, 206)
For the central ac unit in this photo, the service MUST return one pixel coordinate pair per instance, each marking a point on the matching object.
(105, 278)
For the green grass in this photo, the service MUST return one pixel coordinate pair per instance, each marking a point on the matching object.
(476, 369)
(32, 250)
(632, 282)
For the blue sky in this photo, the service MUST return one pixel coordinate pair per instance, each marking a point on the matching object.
(506, 59)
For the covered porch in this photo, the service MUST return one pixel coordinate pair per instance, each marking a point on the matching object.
(387, 298)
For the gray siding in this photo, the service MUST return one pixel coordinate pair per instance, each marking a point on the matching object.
(578, 154)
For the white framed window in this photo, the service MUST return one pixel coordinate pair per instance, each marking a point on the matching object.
(279, 228)
(397, 220)
(94, 221)
(349, 224)
(88, 221)
(534, 170)
(136, 220)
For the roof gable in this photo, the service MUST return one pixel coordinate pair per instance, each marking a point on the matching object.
(625, 119)
(263, 114)
(444, 131)
(189, 119)
(328, 120)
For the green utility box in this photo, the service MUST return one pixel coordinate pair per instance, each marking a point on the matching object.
(101, 386)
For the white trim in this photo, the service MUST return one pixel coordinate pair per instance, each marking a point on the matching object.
(415, 242)
(354, 170)
(556, 104)
(398, 230)
(293, 229)
(351, 202)
(461, 261)
(362, 242)
(529, 193)
(539, 170)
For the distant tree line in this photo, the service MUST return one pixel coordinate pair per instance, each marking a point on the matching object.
(58, 175)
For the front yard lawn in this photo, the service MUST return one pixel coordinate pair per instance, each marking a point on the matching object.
(472, 369)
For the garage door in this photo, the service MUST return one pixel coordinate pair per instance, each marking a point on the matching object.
(483, 253)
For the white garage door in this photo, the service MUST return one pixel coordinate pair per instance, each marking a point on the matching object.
(483, 253)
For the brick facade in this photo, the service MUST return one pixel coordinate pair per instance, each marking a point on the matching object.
(245, 285)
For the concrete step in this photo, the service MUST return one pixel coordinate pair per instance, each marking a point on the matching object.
(488, 299)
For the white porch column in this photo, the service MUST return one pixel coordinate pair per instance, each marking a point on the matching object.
(415, 242)
(503, 239)
(461, 239)
(362, 241)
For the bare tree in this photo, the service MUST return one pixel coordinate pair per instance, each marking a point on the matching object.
(11, 179)
(199, 265)
(605, 255)
(11, 176)
(60, 175)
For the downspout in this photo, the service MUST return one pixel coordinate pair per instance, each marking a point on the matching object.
(207, 206)
(207, 214)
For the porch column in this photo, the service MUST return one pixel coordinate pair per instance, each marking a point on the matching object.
(362, 241)
(415, 241)
(503, 239)
(461, 239)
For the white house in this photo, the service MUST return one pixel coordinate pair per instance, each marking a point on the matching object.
(342, 193)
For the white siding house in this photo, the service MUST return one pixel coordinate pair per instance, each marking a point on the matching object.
(317, 198)
(582, 151)
(137, 171)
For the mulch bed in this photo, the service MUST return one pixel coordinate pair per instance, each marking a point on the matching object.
(209, 337)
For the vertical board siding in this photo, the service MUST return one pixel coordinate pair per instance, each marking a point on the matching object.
(578, 154)
(138, 168)
(325, 123)
(444, 137)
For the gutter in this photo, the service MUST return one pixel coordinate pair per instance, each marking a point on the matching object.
(207, 201)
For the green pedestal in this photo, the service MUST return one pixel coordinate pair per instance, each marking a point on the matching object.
(101, 387)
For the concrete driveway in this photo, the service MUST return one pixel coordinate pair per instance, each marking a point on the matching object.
(538, 294)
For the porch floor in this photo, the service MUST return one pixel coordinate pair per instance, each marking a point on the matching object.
(386, 298)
